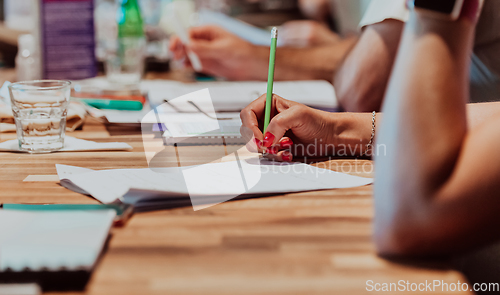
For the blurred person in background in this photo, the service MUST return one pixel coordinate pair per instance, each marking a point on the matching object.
(362, 80)
(311, 50)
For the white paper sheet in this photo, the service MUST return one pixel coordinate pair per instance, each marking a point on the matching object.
(215, 181)
(72, 144)
(52, 240)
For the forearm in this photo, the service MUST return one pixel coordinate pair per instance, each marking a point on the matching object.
(361, 81)
(311, 63)
(424, 124)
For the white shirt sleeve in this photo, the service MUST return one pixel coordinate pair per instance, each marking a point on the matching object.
(380, 10)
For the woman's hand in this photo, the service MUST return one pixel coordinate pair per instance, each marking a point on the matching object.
(297, 130)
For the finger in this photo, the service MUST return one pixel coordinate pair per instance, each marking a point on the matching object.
(205, 49)
(282, 104)
(205, 33)
(255, 146)
(257, 136)
(283, 156)
(285, 143)
(280, 124)
(258, 106)
(172, 44)
(177, 48)
(252, 115)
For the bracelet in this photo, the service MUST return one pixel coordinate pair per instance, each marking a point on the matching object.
(369, 146)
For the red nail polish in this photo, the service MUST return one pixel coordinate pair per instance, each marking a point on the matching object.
(268, 139)
(287, 157)
(258, 142)
(470, 10)
(286, 143)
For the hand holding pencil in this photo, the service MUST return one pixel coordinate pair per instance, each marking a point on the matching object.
(284, 129)
(296, 130)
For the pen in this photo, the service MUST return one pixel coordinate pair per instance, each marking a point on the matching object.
(270, 78)
(183, 35)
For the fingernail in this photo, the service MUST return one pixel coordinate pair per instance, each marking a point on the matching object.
(286, 143)
(287, 156)
(470, 10)
(258, 142)
(268, 139)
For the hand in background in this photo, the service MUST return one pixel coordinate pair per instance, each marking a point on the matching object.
(306, 33)
(222, 54)
(298, 130)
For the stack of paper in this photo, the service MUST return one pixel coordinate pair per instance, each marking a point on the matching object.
(205, 184)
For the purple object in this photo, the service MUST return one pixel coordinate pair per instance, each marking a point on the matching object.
(159, 127)
(67, 39)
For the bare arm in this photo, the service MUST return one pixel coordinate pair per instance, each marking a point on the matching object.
(361, 81)
(301, 63)
(477, 114)
(437, 190)
(223, 54)
(311, 63)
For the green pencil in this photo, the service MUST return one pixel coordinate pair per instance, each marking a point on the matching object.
(270, 78)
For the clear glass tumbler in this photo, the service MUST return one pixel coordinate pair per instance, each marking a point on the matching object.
(40, 109)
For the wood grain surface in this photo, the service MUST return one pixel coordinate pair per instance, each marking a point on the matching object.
(303, 243)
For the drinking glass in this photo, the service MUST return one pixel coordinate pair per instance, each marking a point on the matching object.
(40, 109)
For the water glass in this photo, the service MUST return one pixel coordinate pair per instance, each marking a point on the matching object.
(40, 109)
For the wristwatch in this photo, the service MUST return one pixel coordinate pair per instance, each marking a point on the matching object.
(442, 9)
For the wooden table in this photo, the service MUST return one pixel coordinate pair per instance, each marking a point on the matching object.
(303, 243)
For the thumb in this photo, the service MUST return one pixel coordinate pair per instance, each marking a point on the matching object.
(279, 125)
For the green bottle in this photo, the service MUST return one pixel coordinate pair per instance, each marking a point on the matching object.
(130, 23)
(131, 42)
